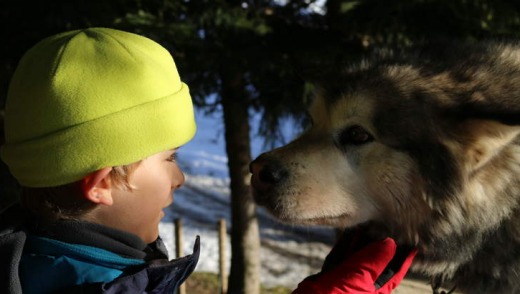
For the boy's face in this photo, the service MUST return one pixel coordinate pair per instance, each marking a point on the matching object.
(140, 209)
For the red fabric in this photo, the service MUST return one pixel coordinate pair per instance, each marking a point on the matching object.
(358, 273)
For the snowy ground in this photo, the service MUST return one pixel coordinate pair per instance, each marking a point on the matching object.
(288, 254)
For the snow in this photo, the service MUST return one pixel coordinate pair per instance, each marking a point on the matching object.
(288, 253)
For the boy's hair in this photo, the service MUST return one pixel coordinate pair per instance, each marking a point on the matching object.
(50, 204)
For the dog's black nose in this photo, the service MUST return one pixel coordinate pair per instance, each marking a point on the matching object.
(272, 174)
(266, 173)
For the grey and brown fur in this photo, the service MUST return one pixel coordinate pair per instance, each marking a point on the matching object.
(422, 146)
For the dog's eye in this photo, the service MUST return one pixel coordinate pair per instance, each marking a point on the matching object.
(354, 135)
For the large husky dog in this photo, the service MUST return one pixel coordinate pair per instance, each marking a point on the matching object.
(422, 146)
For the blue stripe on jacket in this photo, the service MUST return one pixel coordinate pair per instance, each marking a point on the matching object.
(48, 265)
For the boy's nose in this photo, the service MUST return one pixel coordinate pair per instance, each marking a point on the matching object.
(178, 179)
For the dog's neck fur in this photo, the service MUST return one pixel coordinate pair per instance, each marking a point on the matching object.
(467, 254)
(454, 248)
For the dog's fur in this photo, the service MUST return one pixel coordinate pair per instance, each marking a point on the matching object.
(422, 146)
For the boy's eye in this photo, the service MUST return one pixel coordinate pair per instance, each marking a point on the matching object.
(173, 157)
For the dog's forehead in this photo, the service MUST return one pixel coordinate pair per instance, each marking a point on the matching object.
(355, 107)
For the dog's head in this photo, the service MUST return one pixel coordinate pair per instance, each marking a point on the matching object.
(408, 144)
(349, 167)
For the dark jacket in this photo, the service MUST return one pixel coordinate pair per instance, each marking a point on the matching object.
(83, 257)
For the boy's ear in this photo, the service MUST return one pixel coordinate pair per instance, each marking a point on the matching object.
(96, 187)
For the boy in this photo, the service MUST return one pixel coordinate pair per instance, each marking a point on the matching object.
(93, 121)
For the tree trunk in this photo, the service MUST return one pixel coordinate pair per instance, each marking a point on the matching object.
(244, 277)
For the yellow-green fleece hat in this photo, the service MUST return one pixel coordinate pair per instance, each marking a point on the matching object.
(87, 99)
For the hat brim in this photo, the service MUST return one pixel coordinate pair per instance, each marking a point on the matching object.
(116, 139)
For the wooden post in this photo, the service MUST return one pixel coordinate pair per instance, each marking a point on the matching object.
(222, 234)
(179, 248)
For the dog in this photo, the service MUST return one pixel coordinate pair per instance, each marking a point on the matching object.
(421, 145)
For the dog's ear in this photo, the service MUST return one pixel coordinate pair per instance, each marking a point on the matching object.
(481, 140)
